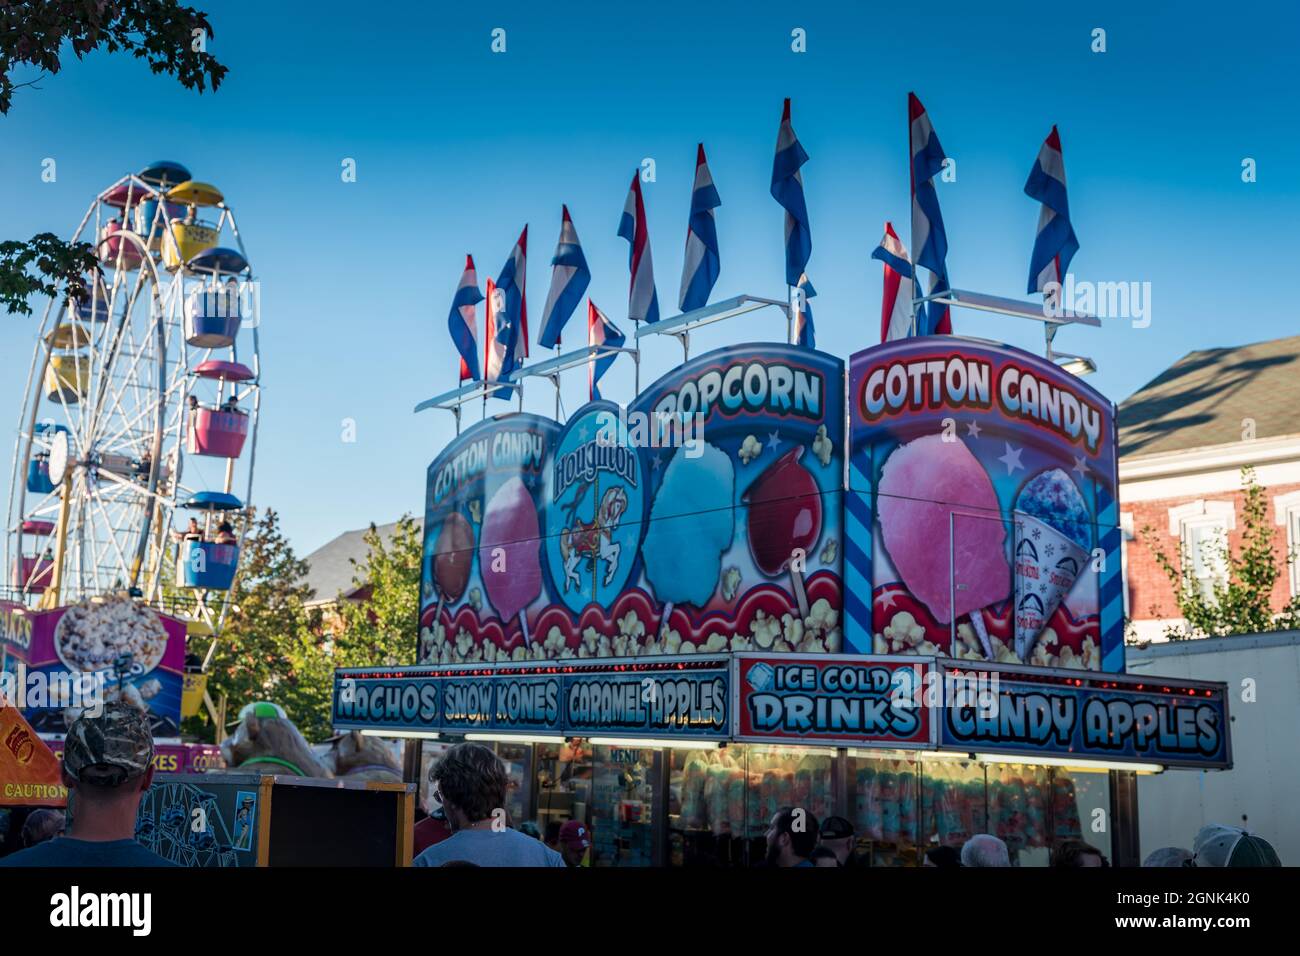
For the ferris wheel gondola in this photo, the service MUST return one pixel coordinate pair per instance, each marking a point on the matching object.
(143, 394)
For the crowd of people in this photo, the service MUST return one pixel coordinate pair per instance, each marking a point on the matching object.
(468, 827)
(108, 767)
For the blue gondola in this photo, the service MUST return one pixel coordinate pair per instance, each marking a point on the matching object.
(212, 501)
(38, 476)
(212, 316)
(219, 260)
(206, 564)
(165, 174)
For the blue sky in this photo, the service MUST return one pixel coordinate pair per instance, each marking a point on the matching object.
(457, 147)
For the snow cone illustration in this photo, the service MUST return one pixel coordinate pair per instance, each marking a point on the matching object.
(691, 525)
(1053, 533)
(932, 492)
(513, 575)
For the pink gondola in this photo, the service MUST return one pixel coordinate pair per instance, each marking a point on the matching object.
(217, 433)
(33, 574)
(224, 371)
(110, 242)
(38, 527)
(126, 195)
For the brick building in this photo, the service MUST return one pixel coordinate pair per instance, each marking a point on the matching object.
(1183, 439)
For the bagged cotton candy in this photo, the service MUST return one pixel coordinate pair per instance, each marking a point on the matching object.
(691, 525)
(932, 491)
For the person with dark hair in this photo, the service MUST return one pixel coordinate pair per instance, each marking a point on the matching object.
(942, 856)
(824, 856)
(470, 782)
(42, 825)
(837, 836)
(107, 767)
(1071, 854)
(226, 534)
(791, 837)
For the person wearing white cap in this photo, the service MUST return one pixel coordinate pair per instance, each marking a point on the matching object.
(1217, 844)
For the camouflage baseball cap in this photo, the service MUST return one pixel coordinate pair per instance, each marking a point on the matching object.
(111, 748)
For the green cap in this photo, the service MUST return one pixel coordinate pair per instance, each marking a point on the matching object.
(111, 748)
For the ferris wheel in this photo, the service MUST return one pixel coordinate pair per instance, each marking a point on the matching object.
(141, 403)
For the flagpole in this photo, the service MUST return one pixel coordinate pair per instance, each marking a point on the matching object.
(791, 294)
(911, 224)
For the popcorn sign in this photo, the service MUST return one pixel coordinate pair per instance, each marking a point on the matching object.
(847, 700)
(704, 517)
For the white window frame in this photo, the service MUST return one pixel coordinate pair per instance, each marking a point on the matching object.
(1201, 514)
(1286, 511)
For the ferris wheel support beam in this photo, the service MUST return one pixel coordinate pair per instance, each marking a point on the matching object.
(51, 596)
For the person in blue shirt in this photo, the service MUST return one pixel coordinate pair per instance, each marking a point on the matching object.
(470, 783)
(791, 837)
(107, 767)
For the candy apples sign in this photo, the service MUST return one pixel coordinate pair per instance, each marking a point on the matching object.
(705, 517)
(980, 513)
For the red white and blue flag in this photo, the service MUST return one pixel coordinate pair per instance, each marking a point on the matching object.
(569, 280)
(1056, 244)
(463, 321)
(600, 331)
(511, 283)
(805, 333)
(499, 341)
(642, 300)
(928, 236)
(896, 298)
(702, 264)
(787, 189)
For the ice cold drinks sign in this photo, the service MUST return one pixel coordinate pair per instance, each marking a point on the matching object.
(839, 699)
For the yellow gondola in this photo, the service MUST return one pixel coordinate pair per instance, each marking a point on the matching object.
(196, 194)
(67, 377)
(68, 335)
(188, 240)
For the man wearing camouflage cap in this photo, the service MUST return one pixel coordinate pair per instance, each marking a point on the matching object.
(107, 767)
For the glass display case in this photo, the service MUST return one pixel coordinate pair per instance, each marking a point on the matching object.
(721, 801)
(886, 806)
(626, 805)
(563, 781)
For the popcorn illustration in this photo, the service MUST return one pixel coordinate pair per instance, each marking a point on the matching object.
(476, 513)
(903, 633)
(821, 616)
(490, 652)
(813, 645)
(464, 641)
(619, 645)
(520, 653)
(554, 640)
(879, 644)
(672, 641)
(476, 598)
(1091, 654)
(150, 688)
(567, 653)
(764, 630)
(782, 647)
(715, 643)
(591, 640)
(631, 626)
(730, 583)
(829, 550)
(822, 446)
(791, 629)
(750, 449)
(686, 648)
(741, 643)
(834, 640)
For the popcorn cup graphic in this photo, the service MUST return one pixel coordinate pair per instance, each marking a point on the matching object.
(1047, 563)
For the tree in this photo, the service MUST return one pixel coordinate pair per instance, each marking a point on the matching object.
(39, 266)
(384, 629)
(1239, 602)
(171, 38)
(272, 646)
